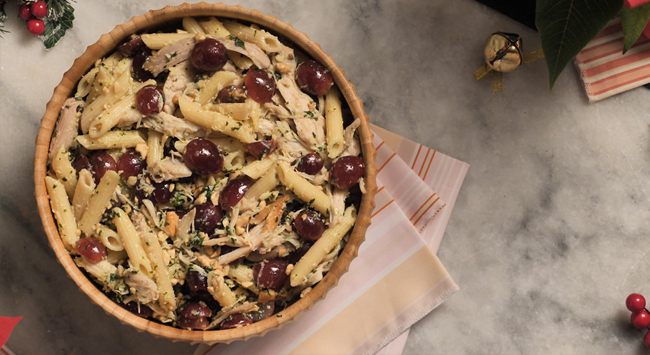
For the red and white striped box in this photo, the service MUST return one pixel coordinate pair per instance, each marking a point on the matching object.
(605, 70)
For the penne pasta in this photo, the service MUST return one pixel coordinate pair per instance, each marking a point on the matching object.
(109, 238)
(111, 140)
(192, 26)
(263, 39)
(132, 243)
(266, 183)
(307, 192)
(160, 40)
(210, 88)
(64, 171)
(152, 248)
(98, 202)
(259, 167)
(215, 121)
(82, 193)
(62, 212)
(214, 28)
(315, 255)
(155, 146)
(334, 123)
(114, 92)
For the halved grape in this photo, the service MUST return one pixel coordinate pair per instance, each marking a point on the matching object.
(309, 225)
(140, 310)
(196, 281)
(231, 94)
(188, 323)
(102, 162)
(207, 217)
(162, 193)
(260, 85)
(295, 255)
(139, 73)
(236, 320)
(313, 78)
(347, 171)
(261, 148)
(92, 249)
(131, 47)
(310, 164)
(209, 55)
(271, 273)
(130, 164)
(203, 157)
(265, 311)
(194, 315)
(82, 162)
(234, 191)
(150, 100)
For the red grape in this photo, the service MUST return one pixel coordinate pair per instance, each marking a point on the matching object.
(35, 27)
(261, 148)
(270, 273)
(313, 78)
(309, 225)
(265, 311)
(203, 157)
(635, 302)
(25, 12)
(260, 85)
(132, 47)
(236, 320)
(82, 162)
(234, 191)
(310, 164)
(92, 249)
(207, 217)
(102, 162)
(640, 319)
(139, 73)
(194, 315)
(130, 164)
(209, 55)
(196, 281)
(150, 100)
(188, 323)
(347, 171)
(295, 255)
(162, 193)
(231, 94)
(39, 9)
(137, 309)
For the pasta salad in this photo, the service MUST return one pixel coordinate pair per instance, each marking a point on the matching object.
(205, 178)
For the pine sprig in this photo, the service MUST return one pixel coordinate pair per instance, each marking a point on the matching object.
(3, 16)
(59, 19)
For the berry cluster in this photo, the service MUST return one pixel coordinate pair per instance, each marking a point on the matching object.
(34, 15)
(640, 317)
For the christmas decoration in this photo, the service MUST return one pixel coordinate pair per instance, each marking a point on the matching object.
(49, 19)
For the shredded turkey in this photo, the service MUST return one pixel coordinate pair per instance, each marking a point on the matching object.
(144, 288)
(68, 126)
(250, 50)
(169, 169)
(175, 84)
(170, 55)
(173, 126)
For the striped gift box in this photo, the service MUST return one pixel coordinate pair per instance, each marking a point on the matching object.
(396, 279)
(606, 71)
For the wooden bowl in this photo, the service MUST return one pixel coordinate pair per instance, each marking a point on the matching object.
(108, 43)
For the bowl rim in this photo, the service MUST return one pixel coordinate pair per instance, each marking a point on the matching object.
(106, 44)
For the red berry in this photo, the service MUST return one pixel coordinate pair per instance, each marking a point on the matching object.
(39, 9)
(640, 319)
(646, 339)
(635, 302)
(25, 13)
(35, 27)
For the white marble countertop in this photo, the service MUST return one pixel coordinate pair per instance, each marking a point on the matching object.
(550, 231)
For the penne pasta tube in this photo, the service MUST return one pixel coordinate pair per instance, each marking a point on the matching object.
(155, 146)
(259, 167)
(266, 183)
(214, 84)
(114, 92)
(261, 38)
(82, 193)
(241, 61)
(109, 238)
(132, 243)
(152, 248)
(334, 123)
(192, 26)
(160, 40)
(315, 255)
(64, 171)
(214, 28)
(112, 139)
(307, 192)
(214, 120)
(62, 212)
(98, 202)
(83, 88)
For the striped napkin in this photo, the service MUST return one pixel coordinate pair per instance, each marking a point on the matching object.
(605, 70)
(396, 279)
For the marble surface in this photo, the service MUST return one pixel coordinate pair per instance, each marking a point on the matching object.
(550, 231)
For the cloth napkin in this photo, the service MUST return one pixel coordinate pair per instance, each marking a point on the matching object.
(605, 70)
(396, 279)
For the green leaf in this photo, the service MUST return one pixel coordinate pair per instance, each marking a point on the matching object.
(566, 26)
(59, 20)
(634, 21)
(3, 16)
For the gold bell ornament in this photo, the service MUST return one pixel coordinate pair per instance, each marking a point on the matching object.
(503, 53)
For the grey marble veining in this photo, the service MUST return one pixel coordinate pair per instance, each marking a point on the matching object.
(550, 231)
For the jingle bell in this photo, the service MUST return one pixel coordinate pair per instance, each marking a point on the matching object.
(503, 52)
